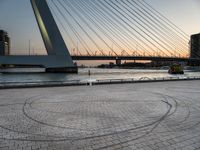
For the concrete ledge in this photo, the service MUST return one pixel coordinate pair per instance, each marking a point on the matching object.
(88, 83)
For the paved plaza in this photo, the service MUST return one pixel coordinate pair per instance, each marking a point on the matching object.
(144, 116)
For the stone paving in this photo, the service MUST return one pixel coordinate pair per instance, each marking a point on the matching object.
(145, 116)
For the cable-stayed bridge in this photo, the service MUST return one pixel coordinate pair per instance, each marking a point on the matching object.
(103, 30)
(132, 27)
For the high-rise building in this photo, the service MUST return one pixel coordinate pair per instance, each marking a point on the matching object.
(195, 46)
(4, 43)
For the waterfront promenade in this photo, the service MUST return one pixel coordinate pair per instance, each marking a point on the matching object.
(144, 116)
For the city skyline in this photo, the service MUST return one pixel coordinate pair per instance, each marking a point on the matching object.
(19, 21)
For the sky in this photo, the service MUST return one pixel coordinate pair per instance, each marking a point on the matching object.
(18, 20)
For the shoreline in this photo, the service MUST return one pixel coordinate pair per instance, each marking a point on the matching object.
(46, 84)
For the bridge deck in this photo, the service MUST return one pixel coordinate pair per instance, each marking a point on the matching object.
(155, 58)
(55, 61)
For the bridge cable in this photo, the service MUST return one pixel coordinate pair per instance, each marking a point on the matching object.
(156, 21)
(102, 22)
(114, 10)
(100, 28)
(166, 20)
(73, 30)
(114, 17)
(105, 25)
(152, 26)
(63, 27)
(115, 27)
(84, 44)
(144, 22)
(154, 37)
(180, 30)
(68, 12)
(90, 27)
(122, 19)
(163, 18)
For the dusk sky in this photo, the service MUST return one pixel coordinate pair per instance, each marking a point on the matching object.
(18, 20)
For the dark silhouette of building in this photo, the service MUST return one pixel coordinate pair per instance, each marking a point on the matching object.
(195, 46)
(4, 43)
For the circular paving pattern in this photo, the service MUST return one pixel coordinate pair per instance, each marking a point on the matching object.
(114, 116)
(81, 117)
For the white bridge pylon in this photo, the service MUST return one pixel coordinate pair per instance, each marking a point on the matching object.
(58, 58)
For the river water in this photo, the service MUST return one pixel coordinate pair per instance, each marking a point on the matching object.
(38, 75)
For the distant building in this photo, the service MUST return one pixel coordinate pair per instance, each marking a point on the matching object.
(4, 43)
(195, 46)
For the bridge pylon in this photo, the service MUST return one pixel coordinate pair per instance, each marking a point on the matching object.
(58, 59)
(52, 38)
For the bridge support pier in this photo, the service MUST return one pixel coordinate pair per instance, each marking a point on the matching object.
(118, 62)
(53, 40)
